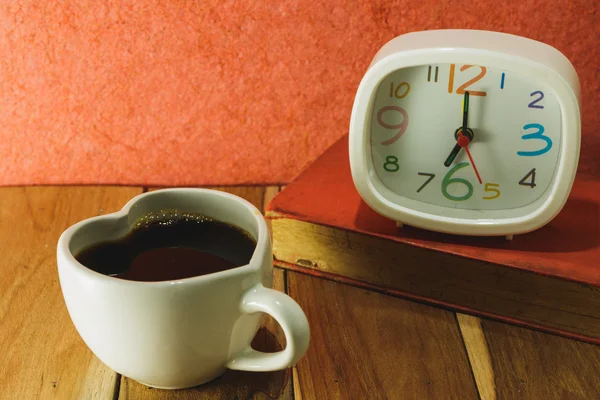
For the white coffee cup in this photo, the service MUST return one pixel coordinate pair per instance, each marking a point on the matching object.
(182, 333)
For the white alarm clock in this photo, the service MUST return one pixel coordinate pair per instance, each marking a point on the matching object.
(466, 132)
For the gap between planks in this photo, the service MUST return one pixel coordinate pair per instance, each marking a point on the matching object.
(117, 388)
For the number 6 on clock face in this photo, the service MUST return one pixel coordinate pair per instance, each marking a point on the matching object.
(466, 132)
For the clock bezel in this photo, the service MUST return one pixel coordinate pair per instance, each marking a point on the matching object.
(495, 50)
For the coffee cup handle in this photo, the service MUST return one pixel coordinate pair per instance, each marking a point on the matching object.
(292, 320)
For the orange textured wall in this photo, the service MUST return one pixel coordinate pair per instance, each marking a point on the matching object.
(222, 92)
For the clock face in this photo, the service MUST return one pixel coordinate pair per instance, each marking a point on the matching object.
(510, 150)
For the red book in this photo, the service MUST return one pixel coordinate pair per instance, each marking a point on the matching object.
(547, 279)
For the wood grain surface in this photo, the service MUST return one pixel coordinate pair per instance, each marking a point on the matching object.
(528, 364)
(41, 354)
(365, 345)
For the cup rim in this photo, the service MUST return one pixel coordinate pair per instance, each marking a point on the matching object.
(255, 263)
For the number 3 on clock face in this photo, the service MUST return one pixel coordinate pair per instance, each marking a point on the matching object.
(407, 122)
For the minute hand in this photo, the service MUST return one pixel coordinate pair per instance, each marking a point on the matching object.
(465, 113)
(457, 147)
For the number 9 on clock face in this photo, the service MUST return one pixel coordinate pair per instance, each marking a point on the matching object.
(466, 132)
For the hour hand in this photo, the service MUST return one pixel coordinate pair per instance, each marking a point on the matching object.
(452, 155)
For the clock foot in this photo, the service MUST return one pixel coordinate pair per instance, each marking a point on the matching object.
(399, 225)
(509, 237)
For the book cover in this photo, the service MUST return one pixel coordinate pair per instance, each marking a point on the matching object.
(547, 279)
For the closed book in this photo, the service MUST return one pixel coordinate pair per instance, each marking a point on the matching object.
(548, 279)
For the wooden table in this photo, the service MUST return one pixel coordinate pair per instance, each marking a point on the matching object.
(364, 345)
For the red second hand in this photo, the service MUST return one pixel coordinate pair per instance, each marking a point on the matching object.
(463, 141)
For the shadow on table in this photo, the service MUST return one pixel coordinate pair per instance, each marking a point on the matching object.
(245, 385)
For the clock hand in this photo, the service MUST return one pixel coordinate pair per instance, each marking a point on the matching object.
(463, 141)
(465, 112)
(452, 155)
(457, 147)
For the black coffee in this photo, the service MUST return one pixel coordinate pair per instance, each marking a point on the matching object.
(171, 245)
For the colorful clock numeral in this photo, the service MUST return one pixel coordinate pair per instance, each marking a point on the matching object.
(534, 104)
(448, 180)
(391, 164)
(401, 127)
(465, 86)
(492, 188)
(431, 176)
(539, 134)
(399, 91)
(530, 175)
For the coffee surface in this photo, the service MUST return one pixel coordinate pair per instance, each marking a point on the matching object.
(170, 245)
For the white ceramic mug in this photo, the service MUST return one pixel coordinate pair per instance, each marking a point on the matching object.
(182, 333)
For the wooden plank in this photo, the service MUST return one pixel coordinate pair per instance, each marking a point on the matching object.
(270, 193)
(254, 194)
(479, 355)
(232, 384)
(529, 364)
(41, 354)
(366, 345)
